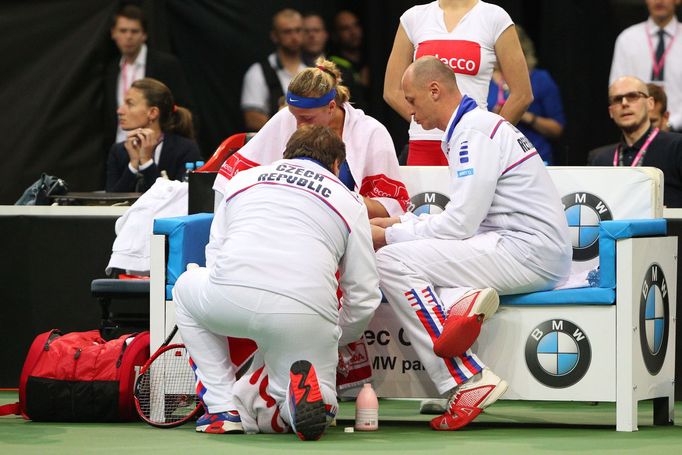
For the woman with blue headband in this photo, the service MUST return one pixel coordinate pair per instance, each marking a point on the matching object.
(316, 96)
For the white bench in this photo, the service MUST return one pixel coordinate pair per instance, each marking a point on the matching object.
(611, 343)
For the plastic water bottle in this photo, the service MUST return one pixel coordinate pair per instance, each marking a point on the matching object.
(189, 167)
(367, 410)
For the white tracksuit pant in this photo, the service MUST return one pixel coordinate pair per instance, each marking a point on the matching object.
(284, 329)
(409, 273)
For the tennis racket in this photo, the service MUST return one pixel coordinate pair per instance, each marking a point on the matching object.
(165, 391)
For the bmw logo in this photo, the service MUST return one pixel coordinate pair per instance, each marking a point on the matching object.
(558, 353)
(429, 202)
(584, 211)
(654, 313)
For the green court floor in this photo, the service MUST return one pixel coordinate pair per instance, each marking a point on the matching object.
(508, 427)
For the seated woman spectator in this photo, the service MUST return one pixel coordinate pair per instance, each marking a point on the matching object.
(160, 139)
(316, 96)
(544, 120)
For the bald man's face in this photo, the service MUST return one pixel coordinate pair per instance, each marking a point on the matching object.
(629, 104)
(418, 97)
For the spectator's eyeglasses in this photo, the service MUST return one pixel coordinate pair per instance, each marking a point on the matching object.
(630, 97)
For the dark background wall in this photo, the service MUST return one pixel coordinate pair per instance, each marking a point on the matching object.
(54, 53)
(43, 291)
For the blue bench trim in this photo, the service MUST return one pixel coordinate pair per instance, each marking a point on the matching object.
(187, 237)
(611, 231)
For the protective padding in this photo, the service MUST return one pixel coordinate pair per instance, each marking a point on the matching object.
(610, 231)
(187, 237)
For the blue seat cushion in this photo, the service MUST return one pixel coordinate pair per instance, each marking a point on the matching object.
(578, 296)
(605, 294)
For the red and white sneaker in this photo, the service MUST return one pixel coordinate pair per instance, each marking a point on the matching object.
(463, 324)
(469, 400)
(306, 407)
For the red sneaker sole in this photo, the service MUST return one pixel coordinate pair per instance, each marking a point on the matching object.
(310, 418)
(459, 333)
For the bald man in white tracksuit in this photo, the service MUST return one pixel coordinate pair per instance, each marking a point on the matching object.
(503, 231)
(278, 238)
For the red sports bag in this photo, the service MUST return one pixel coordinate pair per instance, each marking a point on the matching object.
(80, 377)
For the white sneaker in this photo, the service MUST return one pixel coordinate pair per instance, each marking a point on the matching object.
(433, 406)
(476, 302)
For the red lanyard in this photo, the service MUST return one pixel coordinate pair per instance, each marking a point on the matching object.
(618, 157)
(657, 66)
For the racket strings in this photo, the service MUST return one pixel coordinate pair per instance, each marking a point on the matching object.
(166, 391)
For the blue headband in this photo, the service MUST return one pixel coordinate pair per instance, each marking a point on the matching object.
(310, 103)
